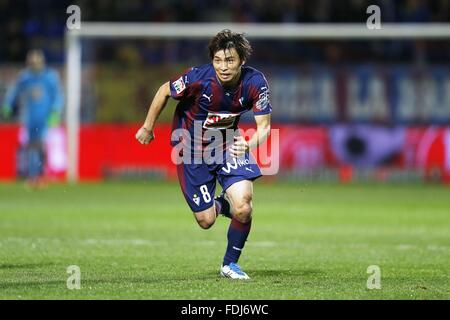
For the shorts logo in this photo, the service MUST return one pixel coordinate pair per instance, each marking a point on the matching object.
(196, 199)
(179, 85)
(235, 164)
(220, 120)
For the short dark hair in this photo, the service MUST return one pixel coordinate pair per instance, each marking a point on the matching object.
(226, 39)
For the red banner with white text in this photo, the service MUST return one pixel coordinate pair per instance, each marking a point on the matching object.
(110, 150)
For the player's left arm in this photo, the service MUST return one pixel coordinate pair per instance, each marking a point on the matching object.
(240, 146)
(262, 111)
(58, 99)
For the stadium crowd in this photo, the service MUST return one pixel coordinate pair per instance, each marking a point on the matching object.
(29, 24)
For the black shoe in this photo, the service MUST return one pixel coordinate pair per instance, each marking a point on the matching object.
(225, 205)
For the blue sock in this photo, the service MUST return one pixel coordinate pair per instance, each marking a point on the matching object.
(237, 235)
(34, 163)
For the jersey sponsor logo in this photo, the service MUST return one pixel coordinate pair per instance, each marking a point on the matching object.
(220, 120)
(36, 93)
(179, 85)
(263, 99)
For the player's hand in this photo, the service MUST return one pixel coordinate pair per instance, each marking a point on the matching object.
(239, 147)
(6, 112)
(144, 135)
(54, 120)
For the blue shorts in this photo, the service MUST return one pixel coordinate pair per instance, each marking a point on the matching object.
(36, 133)
(198, 181)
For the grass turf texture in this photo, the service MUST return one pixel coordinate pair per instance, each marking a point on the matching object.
(139, 241)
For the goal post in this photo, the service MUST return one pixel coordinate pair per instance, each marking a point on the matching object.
(73, 43)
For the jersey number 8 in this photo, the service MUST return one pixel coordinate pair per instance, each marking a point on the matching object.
(205, 193)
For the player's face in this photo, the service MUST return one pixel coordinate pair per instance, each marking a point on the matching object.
(35, 60)
(228, 66)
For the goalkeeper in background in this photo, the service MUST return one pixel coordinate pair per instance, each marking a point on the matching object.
(38, 93)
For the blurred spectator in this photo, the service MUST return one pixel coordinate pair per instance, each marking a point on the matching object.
(415, 11)
(27, 23)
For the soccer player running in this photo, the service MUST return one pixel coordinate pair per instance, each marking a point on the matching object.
(213, 97)
(38, 89)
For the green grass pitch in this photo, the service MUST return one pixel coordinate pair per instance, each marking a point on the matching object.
(308, 241)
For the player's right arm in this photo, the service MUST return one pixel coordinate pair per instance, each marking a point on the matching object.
(145, 134)
(11, 96)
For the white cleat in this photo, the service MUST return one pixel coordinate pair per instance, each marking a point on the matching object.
(233, 271)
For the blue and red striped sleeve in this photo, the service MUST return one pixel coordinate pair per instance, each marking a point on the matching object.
(181, 85)
(260, 95)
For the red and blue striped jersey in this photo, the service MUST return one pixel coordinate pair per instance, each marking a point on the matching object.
(202, 98)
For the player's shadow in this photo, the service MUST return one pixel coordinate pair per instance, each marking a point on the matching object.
(274, 273)
(260, 273)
